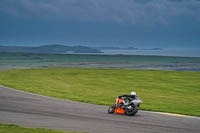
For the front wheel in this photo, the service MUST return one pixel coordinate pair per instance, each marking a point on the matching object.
(131, 111)
(111, 109)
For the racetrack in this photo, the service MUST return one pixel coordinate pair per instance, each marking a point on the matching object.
(31, 110)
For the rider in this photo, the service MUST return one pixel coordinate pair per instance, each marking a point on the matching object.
(128, 98)
(132, 95)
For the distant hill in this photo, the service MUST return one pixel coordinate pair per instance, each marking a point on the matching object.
(116, 48)
(50, 49)
(126, 48)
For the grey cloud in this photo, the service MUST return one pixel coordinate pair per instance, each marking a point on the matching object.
(118, 11)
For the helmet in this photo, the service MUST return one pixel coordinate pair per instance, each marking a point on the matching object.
(133, 93)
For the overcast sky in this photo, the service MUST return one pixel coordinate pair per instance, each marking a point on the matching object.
(139, 23)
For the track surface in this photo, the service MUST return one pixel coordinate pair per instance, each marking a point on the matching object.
(38, 111)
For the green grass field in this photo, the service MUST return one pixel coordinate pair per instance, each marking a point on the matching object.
(18, 129)
(166, 91)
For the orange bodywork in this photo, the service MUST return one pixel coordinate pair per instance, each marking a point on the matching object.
(118, 109)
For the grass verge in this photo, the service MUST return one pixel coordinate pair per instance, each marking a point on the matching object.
(164, 91)
(18, 129)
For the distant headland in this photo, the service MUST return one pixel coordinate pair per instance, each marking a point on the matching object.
(50, 49)
(63, 49)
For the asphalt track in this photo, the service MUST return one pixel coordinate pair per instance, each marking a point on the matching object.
(31, 110)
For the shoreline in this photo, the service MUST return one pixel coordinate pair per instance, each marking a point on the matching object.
(139, 62)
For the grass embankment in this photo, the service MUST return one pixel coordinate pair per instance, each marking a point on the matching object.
(18, 129)
(168, 91)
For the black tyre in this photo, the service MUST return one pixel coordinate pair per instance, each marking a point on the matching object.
(131, 112)
(111, 109)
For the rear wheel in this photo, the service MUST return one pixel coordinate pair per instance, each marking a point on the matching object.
(131, 111)
(111, 109)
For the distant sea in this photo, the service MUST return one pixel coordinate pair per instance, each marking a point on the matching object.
(192, 52)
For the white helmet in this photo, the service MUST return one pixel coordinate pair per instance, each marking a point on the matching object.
(133, 93)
